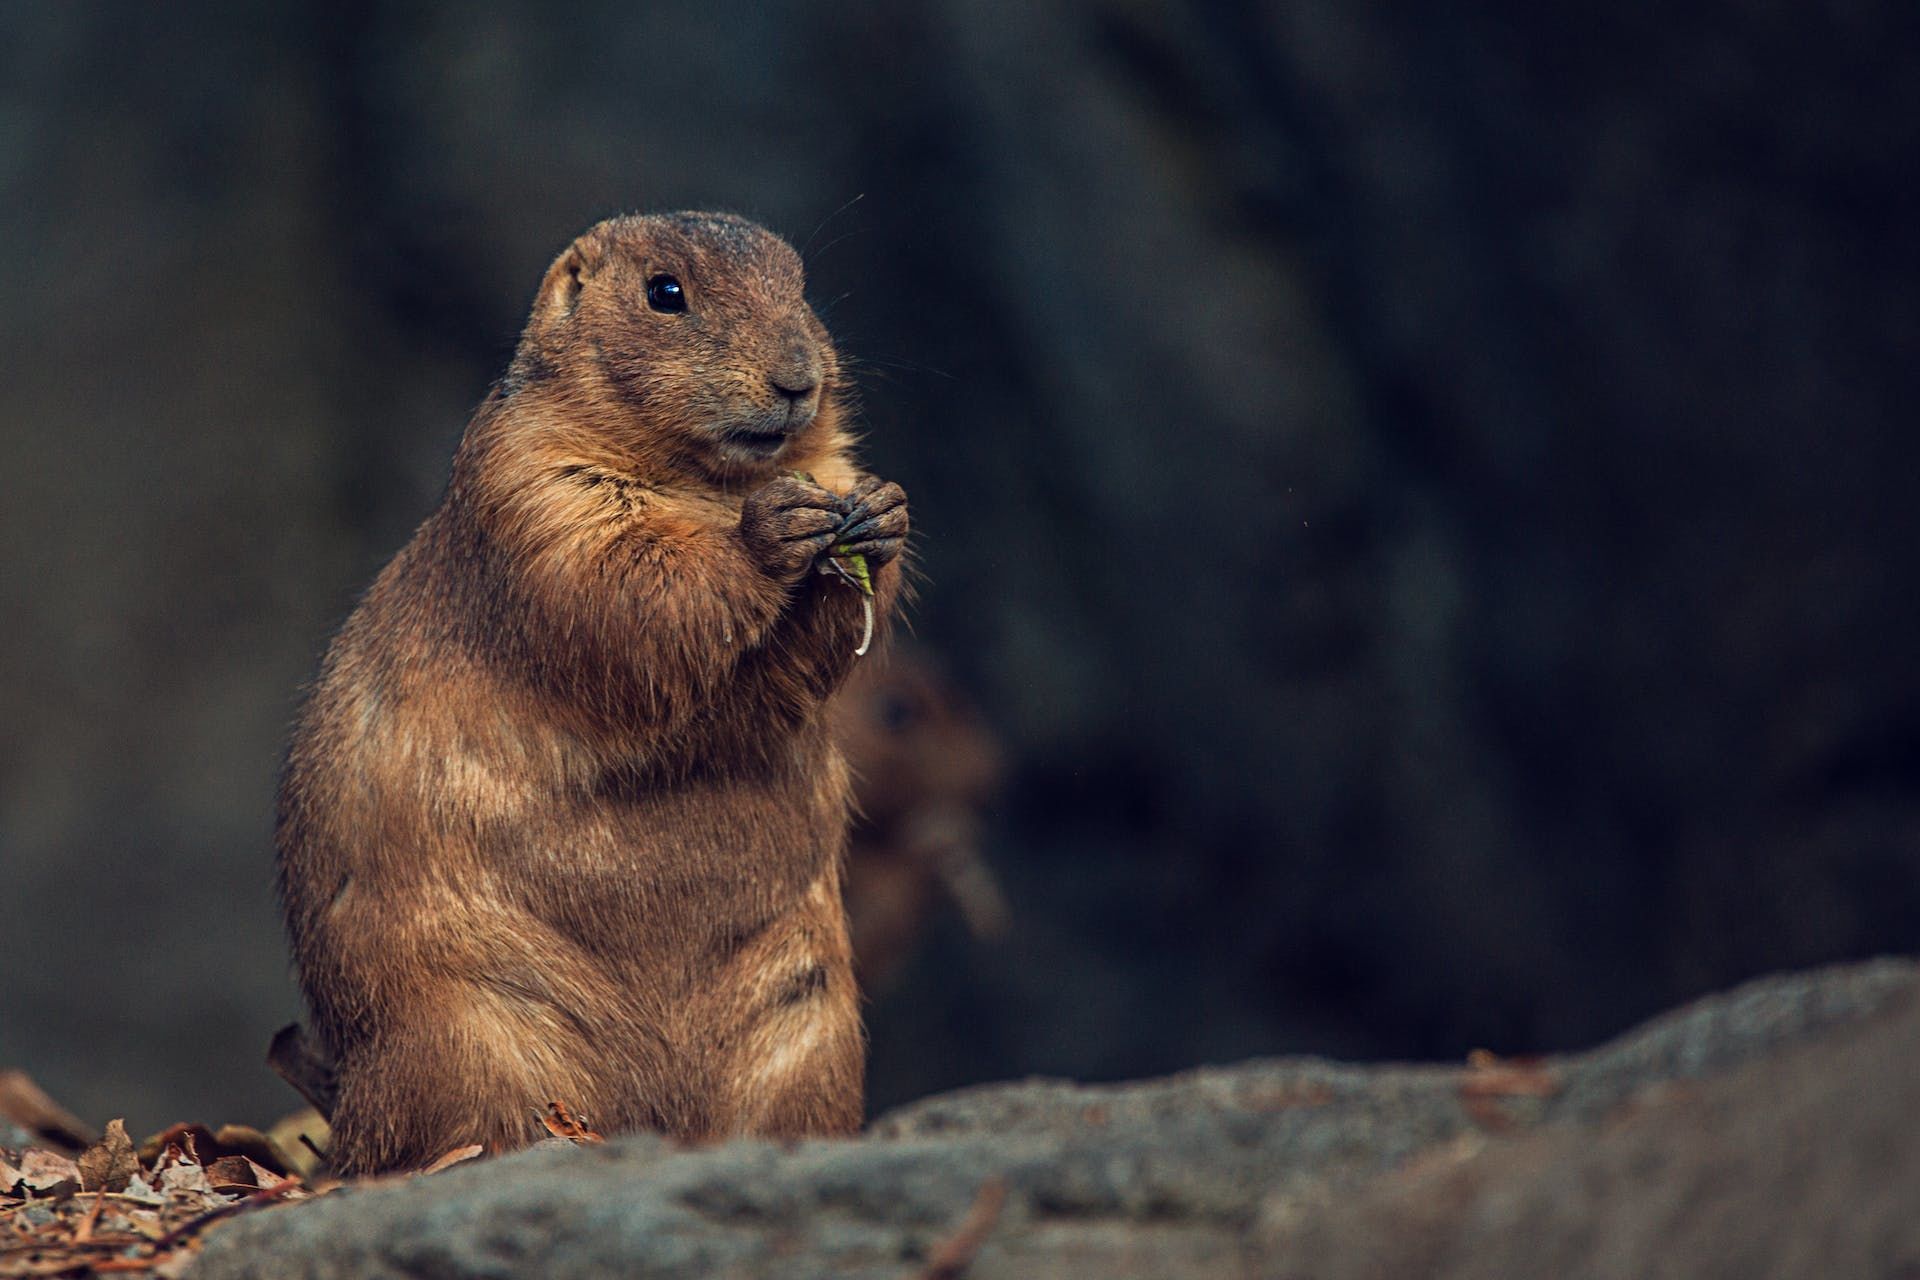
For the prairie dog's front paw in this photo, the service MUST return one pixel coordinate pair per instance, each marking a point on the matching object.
(786, 523)
(875, 521)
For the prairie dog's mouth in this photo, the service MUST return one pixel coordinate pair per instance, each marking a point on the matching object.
(763, 434)
(754, 441)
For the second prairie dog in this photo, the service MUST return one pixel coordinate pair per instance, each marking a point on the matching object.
(562, 818)
(925, 767)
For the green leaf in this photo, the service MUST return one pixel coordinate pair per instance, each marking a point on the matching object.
(856, 568)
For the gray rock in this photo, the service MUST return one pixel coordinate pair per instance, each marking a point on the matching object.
(1736, 1137)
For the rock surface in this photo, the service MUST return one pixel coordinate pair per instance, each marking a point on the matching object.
(1766, 1132)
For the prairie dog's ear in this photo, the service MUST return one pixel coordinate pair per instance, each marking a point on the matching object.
(560, 290)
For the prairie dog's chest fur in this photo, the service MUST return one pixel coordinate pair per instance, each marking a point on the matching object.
(617, 836)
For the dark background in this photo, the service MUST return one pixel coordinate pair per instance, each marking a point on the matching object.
(1427, 502)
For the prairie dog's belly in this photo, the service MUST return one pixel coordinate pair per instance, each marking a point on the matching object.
(736, 1025)
(662, 949)
(632, 867)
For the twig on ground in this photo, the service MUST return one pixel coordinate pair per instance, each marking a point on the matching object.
(956, 1253)
(266, 1195)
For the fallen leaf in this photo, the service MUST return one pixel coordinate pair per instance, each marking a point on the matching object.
(229, 1172)
(562, 1123)
(245, 1140)
(453, 1157)
(141, 1191)
(173, 1154)
(185, 1177)
(42, 1170)
(263, 1176)
(9, 1178)
(226, 1207)
(109, 1164)
(188, 1141)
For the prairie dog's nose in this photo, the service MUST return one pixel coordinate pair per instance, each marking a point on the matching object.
(794, 386)
(797, 376)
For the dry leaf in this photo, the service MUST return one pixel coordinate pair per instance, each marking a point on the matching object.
(453, 1157)
(42, 1170)
(171, 1156)
(230, 1172)
(137, 1231)
(245, 1140)
(9, 1178)
(194, 1142)
(562, 1123)
(109, 1164)
(201, 1145)
(140, 1191)
(184, 1177)
(263, 1176)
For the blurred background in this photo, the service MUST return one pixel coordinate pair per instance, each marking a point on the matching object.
(1422, 504)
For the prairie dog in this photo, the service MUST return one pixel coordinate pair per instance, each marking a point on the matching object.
(562, 817)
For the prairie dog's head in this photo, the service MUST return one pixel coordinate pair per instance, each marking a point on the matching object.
(688, 338)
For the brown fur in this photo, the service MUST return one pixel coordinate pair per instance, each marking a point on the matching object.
(562, 818)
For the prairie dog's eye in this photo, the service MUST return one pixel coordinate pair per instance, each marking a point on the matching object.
(665, 294)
